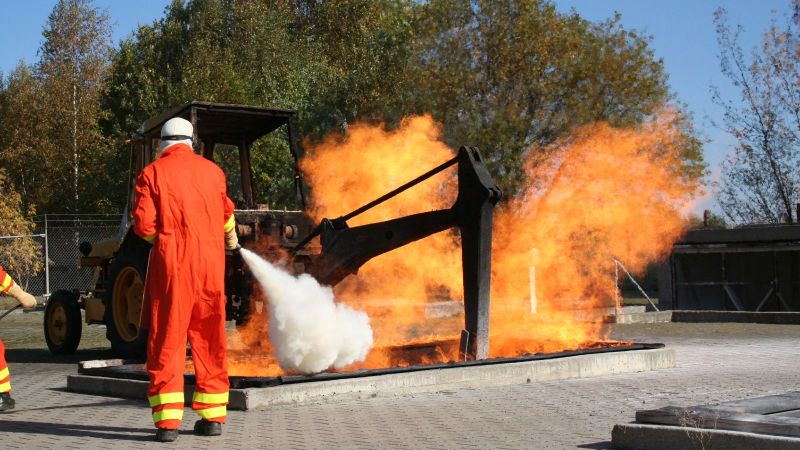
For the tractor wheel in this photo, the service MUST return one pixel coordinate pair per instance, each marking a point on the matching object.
(123, 300)
(62, 322)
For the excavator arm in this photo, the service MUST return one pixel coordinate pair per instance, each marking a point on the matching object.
(345, 249)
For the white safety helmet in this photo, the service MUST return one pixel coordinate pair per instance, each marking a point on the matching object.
(175, 130)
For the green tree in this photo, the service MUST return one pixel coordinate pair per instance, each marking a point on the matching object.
(506, 76)
(328, 61)
(365, 47)
(215, 50)
(509, 75)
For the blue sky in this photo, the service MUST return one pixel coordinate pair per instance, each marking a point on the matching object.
(683, 35)
(22, 22)
(682, 32)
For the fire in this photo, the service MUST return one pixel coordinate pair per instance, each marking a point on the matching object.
(347, 171)
(601, 194)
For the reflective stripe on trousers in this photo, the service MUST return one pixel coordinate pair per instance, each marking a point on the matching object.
(210, 406)
(167, 408)
(5, 375)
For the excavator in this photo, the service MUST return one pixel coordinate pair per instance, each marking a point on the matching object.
(329, 250)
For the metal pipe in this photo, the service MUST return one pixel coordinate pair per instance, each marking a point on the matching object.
(46, 260)
(298, 176)
(246, 174)
(402, 188)
(22, 236)
(377, 201)
(621, 266)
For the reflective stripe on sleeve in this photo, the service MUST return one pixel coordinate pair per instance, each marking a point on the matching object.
(166, 397)
(230, 224)
(150, 238)
(167, 414)
(202, 397)
(4, 374)
(6, 283)
(5, 387)
(211, 413)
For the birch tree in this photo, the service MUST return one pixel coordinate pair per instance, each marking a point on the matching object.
(73, 63)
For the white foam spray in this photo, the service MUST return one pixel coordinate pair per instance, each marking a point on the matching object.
(309, 330)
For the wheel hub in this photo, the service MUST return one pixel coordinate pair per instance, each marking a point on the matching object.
(57, 325)
(127, 303)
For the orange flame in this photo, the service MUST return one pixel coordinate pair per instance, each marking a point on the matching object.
(601, 194)
(344, 173)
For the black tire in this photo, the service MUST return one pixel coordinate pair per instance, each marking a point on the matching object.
(62, 322)
(126, 275)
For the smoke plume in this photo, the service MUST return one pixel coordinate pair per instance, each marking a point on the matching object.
(310, 332)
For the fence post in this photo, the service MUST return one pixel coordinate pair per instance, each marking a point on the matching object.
(617, 300)
(46, 261)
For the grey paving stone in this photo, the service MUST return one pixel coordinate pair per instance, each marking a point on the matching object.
(715, 362)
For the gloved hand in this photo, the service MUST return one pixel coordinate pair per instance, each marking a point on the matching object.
(232, 240)
(24, 299)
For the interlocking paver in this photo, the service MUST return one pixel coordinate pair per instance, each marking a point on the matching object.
(715, 362)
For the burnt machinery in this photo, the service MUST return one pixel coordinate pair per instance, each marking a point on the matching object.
(749, 268)
(329, 251)
(345, 249)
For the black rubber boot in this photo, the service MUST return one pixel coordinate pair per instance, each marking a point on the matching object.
(205, 428)
(6, 402)
(166, 435)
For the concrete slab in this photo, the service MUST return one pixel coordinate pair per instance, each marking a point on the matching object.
(607, 314)
(663, 437)
(770, 317)
(135, 389)
(684, 316)
(389, 385)
(641, 317)
(630, 309)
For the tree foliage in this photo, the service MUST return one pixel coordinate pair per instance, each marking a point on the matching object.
(760, 180)
(506, 76)
(326, 60)
(23, 143)
(50, 113)
(20, 256)
(74, 59)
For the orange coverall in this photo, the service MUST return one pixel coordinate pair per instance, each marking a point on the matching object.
(182, 208)
(6, 282)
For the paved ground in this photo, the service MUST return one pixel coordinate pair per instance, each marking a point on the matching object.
(716, 362)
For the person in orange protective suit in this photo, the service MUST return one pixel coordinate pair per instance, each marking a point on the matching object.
(9, 287)
(181, 207)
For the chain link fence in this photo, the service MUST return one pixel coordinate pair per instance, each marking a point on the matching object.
(62, 234)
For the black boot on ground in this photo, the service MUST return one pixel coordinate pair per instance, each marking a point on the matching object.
(205, 428)
(6, 402)
(165, 435)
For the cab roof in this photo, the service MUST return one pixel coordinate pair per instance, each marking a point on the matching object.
(221, 123)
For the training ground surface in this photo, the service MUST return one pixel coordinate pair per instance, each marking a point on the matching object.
(715, 362)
